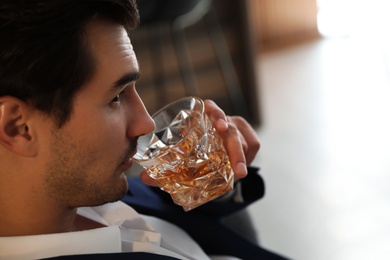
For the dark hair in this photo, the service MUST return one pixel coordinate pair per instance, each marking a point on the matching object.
(44, 58)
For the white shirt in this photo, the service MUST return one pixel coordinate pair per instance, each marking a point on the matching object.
(126, 231)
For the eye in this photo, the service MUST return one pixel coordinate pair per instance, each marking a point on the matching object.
(116, 101)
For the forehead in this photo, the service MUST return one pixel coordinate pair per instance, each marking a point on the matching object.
(110, 48)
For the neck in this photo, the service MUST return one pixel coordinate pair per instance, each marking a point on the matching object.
(25, 220)
(31, 213)
(27, 210)
(36, 224)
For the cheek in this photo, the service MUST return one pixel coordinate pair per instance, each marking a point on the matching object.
(100, 152)
(110, 139)
(103, 131)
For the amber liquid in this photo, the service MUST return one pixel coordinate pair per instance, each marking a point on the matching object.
(196, 170)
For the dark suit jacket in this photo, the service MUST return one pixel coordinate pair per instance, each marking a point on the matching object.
(204, 224)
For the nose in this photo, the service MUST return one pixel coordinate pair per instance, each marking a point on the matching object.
(142, 122)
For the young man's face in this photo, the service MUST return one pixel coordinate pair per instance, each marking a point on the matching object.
(89, 154)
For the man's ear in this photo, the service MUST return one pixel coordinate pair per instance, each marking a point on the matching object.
(15, 134)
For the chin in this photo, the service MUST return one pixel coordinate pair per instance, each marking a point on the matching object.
(122, 187)
(114, 192)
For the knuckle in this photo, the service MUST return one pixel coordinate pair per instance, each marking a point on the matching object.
(232, 128)
(245, 147)
(256, 145)
(209, 102)
(238, 119)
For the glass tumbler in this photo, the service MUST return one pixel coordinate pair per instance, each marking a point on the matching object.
(185, 154)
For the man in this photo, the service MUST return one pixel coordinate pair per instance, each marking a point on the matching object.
(70, 117)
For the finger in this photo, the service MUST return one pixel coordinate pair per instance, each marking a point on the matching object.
(233, 146)
(250, 141)
(216, 115)
(145, 178)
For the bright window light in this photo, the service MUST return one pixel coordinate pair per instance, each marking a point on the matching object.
(354, 17)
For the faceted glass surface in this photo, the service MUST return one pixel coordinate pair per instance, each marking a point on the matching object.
(186, 156)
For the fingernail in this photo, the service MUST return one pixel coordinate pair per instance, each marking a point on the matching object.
(241, 169)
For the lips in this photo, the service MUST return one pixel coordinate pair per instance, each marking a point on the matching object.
(127, 158)
(125, 165)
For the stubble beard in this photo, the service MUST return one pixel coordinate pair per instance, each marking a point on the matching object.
(68, 183)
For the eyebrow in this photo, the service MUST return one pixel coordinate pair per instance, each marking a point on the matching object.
(126, 79)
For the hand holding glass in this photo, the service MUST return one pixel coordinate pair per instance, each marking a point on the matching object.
(185, 154)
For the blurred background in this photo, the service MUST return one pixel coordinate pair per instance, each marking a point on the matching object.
(313, 78)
